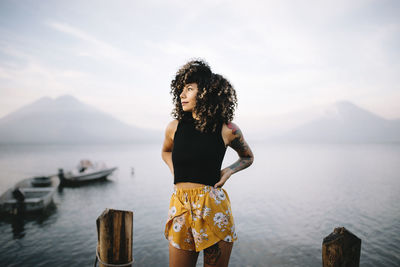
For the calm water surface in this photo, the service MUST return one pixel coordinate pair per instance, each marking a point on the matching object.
(284, 204)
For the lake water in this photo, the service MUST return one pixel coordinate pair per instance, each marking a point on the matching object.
(283, 205)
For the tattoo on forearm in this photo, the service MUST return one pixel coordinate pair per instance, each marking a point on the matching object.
(212, 254)
(244, 151)
(241, 164)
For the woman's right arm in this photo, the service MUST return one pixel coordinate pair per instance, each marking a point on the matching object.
(166, 152)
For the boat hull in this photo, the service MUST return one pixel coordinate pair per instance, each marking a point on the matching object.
(69, 179)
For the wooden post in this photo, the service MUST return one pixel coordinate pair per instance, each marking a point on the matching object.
(114, 232)
(341, 249)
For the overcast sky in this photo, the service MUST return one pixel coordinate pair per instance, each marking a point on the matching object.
(281, 56)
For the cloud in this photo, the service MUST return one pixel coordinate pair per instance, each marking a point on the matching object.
(99, 49)
(279, 55)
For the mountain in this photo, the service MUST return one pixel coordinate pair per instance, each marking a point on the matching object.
(343, 122)
(259, 127)
(68, 120)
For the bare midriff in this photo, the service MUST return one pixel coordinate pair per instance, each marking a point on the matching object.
(188, 185)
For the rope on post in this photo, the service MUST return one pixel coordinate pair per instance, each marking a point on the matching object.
(109, 264)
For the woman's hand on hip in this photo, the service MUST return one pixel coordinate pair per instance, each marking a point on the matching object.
(225, 174)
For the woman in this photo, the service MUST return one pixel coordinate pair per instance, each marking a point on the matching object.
(200, 216)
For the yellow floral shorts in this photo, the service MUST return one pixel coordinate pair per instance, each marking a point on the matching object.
(199, 217)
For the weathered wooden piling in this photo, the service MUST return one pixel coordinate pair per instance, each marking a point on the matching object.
(341, 249)
(114, 232)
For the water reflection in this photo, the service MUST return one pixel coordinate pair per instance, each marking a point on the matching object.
(19, 221)
(18, 227)
(103, 181)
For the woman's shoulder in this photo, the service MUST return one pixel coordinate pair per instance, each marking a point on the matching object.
(171, 128)
(230, 130)
(230, 127)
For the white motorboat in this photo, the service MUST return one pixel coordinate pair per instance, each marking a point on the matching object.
(29, 195)
(85, 172)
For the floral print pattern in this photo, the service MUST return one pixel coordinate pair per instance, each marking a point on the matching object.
(199, 217)
(217, 194)
(171, 212)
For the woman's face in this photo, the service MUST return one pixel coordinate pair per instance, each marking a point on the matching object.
(188, 96)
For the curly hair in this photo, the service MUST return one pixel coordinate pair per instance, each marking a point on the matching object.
(215, 100)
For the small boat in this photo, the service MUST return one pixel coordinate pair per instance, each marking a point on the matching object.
(85, 172)
(29, 195)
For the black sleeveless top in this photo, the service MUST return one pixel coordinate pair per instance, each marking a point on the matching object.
(196, 156)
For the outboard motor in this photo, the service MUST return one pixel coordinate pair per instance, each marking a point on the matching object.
(18, 195)
(61, 176)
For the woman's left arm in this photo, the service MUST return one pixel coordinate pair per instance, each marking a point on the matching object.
(236, 141)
